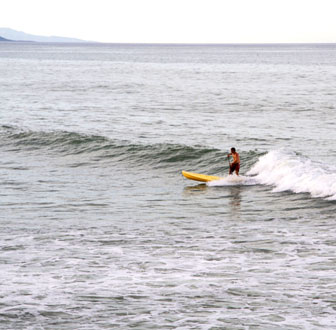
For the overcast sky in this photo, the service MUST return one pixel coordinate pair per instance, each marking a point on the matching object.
(185, 21)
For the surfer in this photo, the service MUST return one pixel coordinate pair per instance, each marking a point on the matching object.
(235, 165)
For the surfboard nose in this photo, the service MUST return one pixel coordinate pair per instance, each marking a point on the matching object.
(199, 177)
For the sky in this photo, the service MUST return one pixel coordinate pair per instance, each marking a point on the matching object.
(175, 21)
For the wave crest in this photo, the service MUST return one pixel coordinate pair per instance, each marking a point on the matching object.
(289, 172)
(99, 148)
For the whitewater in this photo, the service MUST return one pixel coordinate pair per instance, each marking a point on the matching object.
(287, 172)
(290, 172)
(99, 229)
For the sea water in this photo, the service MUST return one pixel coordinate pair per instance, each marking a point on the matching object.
(98, 228)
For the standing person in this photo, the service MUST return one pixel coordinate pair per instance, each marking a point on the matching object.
(235, 165)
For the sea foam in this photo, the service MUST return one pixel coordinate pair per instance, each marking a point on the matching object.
(233, 180)
(290, 172)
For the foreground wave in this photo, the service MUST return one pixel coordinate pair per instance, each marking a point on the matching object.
(282, 170)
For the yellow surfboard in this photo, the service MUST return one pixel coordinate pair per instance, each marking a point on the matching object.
(200, 177)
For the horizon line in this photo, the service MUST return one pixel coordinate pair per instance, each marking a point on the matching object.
(171, 43)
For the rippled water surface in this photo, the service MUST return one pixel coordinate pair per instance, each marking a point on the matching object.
(98, 228)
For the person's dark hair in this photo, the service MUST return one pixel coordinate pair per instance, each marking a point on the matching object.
(233, 149)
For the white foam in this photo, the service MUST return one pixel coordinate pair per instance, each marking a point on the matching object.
(232, 180)
(289, 172)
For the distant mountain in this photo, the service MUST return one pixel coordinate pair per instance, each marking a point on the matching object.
(14, 35)
(3, 39)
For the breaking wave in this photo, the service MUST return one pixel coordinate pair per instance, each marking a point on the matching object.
(287, 172)
(283, 170)
(290, 172)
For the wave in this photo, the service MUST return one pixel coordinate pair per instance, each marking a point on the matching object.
(287, 171)
(283, 170)
(95, 148)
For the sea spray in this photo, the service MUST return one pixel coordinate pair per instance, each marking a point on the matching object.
(289, 172)
(233, 180)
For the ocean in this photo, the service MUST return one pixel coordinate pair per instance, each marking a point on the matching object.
(99, 229)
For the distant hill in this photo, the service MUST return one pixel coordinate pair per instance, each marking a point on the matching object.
(13, 35)
(4, 39)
